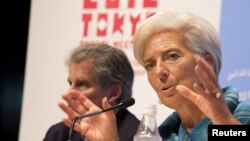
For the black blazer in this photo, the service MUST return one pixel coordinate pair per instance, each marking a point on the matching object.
(127, 125)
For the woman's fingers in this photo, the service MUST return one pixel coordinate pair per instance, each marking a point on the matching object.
(207, 78)
(189, 94)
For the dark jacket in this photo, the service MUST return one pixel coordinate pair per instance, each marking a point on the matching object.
(127, 125)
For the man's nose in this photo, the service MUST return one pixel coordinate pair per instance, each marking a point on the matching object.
(72, 87)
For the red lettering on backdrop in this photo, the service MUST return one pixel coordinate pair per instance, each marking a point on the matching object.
(118, 22)
(86, 18)
(112, 4)
(131, 3)
(92, 4)
(121, 20)
(134, 21)
(149, 3)
(89, 4)
(102, 24)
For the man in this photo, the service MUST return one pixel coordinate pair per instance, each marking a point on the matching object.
(97, 71)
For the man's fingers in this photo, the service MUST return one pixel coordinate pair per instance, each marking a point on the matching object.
(71, 114)
(86, 103)
(69, 122)
(73, 101)
(106, 105)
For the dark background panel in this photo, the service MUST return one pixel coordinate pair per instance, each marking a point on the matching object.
(14, 24)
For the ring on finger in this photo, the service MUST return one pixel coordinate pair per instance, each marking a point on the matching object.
(214, 90)
(218, 94)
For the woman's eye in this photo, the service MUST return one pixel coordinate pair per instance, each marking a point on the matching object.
(172, 56)
(149, 66)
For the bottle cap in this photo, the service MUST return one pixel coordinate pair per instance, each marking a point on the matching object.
(149, 108)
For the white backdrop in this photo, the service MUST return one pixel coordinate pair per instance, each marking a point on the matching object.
(56, 27)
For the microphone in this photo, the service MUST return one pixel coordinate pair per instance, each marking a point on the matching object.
(126, 103)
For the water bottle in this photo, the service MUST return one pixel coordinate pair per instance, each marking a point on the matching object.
(148, 130)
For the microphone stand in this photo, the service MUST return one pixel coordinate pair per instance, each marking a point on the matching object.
(124, 104)
(71, 129)
(88, 115)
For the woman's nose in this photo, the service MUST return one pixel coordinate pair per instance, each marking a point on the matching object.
(162, 72)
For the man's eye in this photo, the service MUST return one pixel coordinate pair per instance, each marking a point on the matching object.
(81, 85)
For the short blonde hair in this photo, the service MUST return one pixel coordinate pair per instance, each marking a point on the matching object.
(200, 35)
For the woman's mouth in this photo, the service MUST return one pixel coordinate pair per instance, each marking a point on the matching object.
(168, 89)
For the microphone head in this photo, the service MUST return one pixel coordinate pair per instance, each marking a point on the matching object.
(128, 102)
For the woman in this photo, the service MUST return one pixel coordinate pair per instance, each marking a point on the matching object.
(182, 57)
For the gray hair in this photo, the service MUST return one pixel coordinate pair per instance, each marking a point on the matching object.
(112, 66)
(200, 36)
